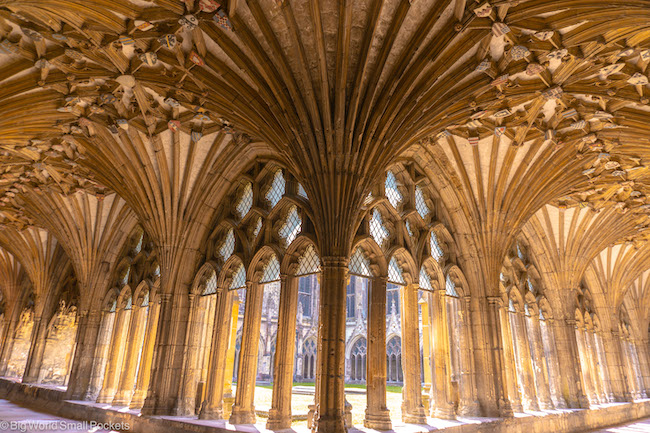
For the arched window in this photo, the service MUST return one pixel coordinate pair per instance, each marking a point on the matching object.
(245, 201)
(436, 249)
(420, 202)
(378, 231)
(394, 360)
(227, 246)
(210, 284)
(309, 357)
(277, 189)
(358, 360)
(392, 192)
(450, 287)
(291, 227)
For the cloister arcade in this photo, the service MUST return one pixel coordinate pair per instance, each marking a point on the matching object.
(255, 312)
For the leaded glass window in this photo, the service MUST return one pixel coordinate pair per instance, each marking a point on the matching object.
(359, 263)
(392, 299)
(520, 253)
(308, 263)
(156, 271)
(530, 285)
(425, 280)
(238, 278)
(511, 306)
(245, 202)
(138, 247)
(258, 227)
(277, 189)
(408, 228)
(392, 192)
(301, 191)
(292, 226)
(306, 289)
(210, 284)
(377, 229)
(436, 249)
(271, 270)
(420, 202)
(227, 246)
(350, 301)
(395, 274)
(450, 287)
(125, 277)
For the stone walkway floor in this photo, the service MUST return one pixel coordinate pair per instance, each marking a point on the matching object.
(14, 418)
(641, 426)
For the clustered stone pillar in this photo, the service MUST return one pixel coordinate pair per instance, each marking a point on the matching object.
(541, 373)
(212, 405)
(280, 413)
(510, 347)
(468, 404)
(102, 346)
(550, 349)
(130, 364)
(115, 357)
(503, 376)
(84, 360)
(36, 350)
(587, 378)
(377, 414)
(412, 408)
(243, 411)
(441, 391)
(330, 397)
(524, 359)
(569, 364)
(146, 359)
(228, 397)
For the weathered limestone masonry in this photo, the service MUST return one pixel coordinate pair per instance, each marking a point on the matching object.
(52, 401)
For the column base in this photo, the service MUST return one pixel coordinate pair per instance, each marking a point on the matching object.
(443, 413)
(207, 412)
(330, 424)
(531, 405)
(105, 397)
(546, 405)
(138, 400)
(426, 400)
(414, 416)
(310, 416)
(583, 401)
(278, 421)
(121, 399)
(380, 420)
(505, 409)
(242, 416)
(470, 408)
(228, 403)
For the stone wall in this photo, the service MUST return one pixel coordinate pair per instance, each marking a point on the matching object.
(576, 420)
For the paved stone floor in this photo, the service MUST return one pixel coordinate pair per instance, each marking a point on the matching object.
(14, 418)
(641, 426)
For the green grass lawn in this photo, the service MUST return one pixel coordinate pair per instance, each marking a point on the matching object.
(389, 388)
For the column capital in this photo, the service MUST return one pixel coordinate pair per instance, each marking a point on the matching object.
(570, 322)
(495, 300)
(335, 261)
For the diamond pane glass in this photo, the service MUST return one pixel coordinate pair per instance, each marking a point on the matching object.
(125, 278)
(238, 278)
(420, 203)
(276, 191)
(377, 230)
(211, 284)
(436, 249)
(511, 306)
(359, 263)
(245, 202)
(308, 263)
(450, 287)
(227, 246)
(520, 253)
(408, 228)
(425, 280)
(138, 247)
(392, 193)
(291, 227)
(301, 191)
(530, 285)
(258, 227)
(395, 272)
(271, 271)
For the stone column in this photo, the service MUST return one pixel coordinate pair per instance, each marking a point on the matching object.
(468, 404)
(569, 363)
(243, 411)
(602, 367)
(426, 353)
(500, 342)
(510, 348)
(597, 378)
(635, 372)
(100, 357)
(587, 379)
(542, 381)
(115, 357)
(443, 407)
(130, 364)
(8, 344)
(36, 350)
(377, 414)
(191, 372)
(146, 359)
(228, 397)
(615, 373)
(525, 360)
(212, 406)
(642, 352)
(84, 355)
(330, 381)
(280, 413)
(412, 408)
(550, 348)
